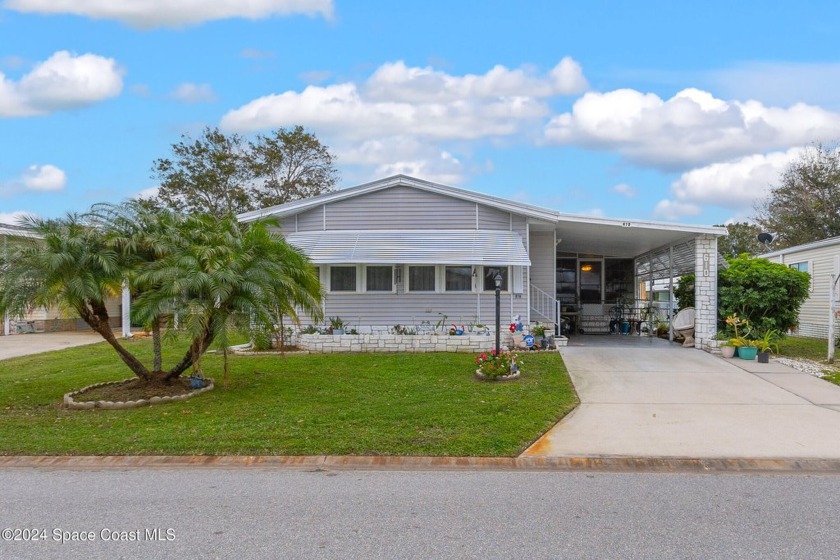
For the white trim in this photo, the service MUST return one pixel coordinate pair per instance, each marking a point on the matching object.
(364, 288)
(329, 278)
(407, 280)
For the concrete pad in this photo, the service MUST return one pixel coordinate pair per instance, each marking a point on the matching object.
(753, 366)
(665, 401)
(813, 389)
(667, 430)
(16, 345)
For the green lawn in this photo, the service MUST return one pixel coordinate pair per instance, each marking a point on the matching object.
(815, 349)
(356, 404)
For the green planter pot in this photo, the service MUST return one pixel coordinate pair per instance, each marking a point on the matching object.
(747, 352)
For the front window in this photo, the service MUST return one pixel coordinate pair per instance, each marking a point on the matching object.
(343, 279)
(421, 278)
(458, 278)
(379, 278)
(800, 266)
(490, 278)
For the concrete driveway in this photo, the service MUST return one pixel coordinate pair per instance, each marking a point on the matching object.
(26, 344)
(650, 398)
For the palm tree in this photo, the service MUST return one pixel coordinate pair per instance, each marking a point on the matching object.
(205, 270)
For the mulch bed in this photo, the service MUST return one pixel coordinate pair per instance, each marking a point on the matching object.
(134, 390)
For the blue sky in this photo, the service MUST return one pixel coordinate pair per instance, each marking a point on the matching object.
(646, 110)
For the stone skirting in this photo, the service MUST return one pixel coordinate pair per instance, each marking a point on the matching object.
(327, 344)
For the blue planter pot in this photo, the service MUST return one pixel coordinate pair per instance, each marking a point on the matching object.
(747, 352)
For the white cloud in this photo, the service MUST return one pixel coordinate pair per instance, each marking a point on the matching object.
(400, 118)
(13, 217)
(63, 81)
(44, 178)
(194, 93)
(256, 54)
(167, 13)
(735, 184)
(781, 82)
(692, 128)
(398, 82)
(35, 178)
(150, 192)
(428, 103)
(624, 190)
(670, 210)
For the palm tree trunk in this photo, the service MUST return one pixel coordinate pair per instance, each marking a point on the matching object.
(97, 318)
(156, 345)
(198, 344)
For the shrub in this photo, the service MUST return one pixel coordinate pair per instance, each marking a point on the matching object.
(261, 339)
(684, 291)
(769, 294)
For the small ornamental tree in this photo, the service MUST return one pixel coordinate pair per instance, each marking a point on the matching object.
(768, 294)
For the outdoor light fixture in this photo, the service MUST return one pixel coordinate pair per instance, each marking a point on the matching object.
(498, 280)
(586, 268)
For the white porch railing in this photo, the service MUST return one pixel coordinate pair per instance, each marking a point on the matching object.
(544, 304)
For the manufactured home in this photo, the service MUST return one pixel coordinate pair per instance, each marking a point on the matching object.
(820, 259)
(411, 252)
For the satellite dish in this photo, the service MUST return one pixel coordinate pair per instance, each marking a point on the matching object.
(765, 237)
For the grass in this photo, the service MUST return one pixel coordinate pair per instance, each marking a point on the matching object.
(353, 404)
(815, 349)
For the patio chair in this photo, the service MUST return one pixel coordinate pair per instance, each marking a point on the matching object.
(684, 325)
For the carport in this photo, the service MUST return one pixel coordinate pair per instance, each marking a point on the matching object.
(602, 260)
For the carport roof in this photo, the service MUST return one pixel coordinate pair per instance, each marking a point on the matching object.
(622, 238)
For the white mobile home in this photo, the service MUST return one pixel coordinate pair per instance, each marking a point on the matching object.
(406, 251)
(820, 259)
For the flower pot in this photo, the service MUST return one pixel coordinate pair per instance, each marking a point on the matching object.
(727, 351)
(747, 352)
(338, 331)
(764, 357)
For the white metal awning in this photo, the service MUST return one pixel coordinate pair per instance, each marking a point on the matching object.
(474, 247)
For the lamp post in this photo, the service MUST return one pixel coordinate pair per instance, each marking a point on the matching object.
(498, 280)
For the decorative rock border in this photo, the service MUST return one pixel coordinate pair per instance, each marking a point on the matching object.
(120, 405)
(509, 377)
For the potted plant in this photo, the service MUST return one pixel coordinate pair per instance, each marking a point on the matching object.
(766, 344)
(337, 325)
(741, 341)
(727, 349)
(539, 333)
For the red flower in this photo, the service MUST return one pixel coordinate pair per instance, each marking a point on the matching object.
(513, 327)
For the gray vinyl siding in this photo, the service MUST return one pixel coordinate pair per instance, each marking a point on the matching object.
(813, 316)
(519, 224)
(401, 208)
(492, 218)
(311, 220)
(288, 225)
(543, 272)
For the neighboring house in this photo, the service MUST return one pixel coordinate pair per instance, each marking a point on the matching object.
(406, 251)
(820, 259)
(53, 318)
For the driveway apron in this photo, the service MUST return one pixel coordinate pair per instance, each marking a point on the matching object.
(655, 399)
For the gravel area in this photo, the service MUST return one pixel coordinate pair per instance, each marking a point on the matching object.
(805, 366)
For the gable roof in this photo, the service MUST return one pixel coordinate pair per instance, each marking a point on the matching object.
(298, 206)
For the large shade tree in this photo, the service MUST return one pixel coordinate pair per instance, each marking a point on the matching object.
(204, 270)
(805, 205)
(221, 174)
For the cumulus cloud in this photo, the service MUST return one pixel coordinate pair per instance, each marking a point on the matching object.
(36, 178)
(398, 82)
(429, 103)
(734, 184)
(400, 118)
(194, 93)
(670, 210)
(166, 13)
(63, 81)
(624, 190)
(690, 129)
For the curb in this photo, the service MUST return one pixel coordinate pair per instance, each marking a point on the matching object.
(392, 463)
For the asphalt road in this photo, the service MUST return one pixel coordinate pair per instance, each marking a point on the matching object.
(213, 513)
